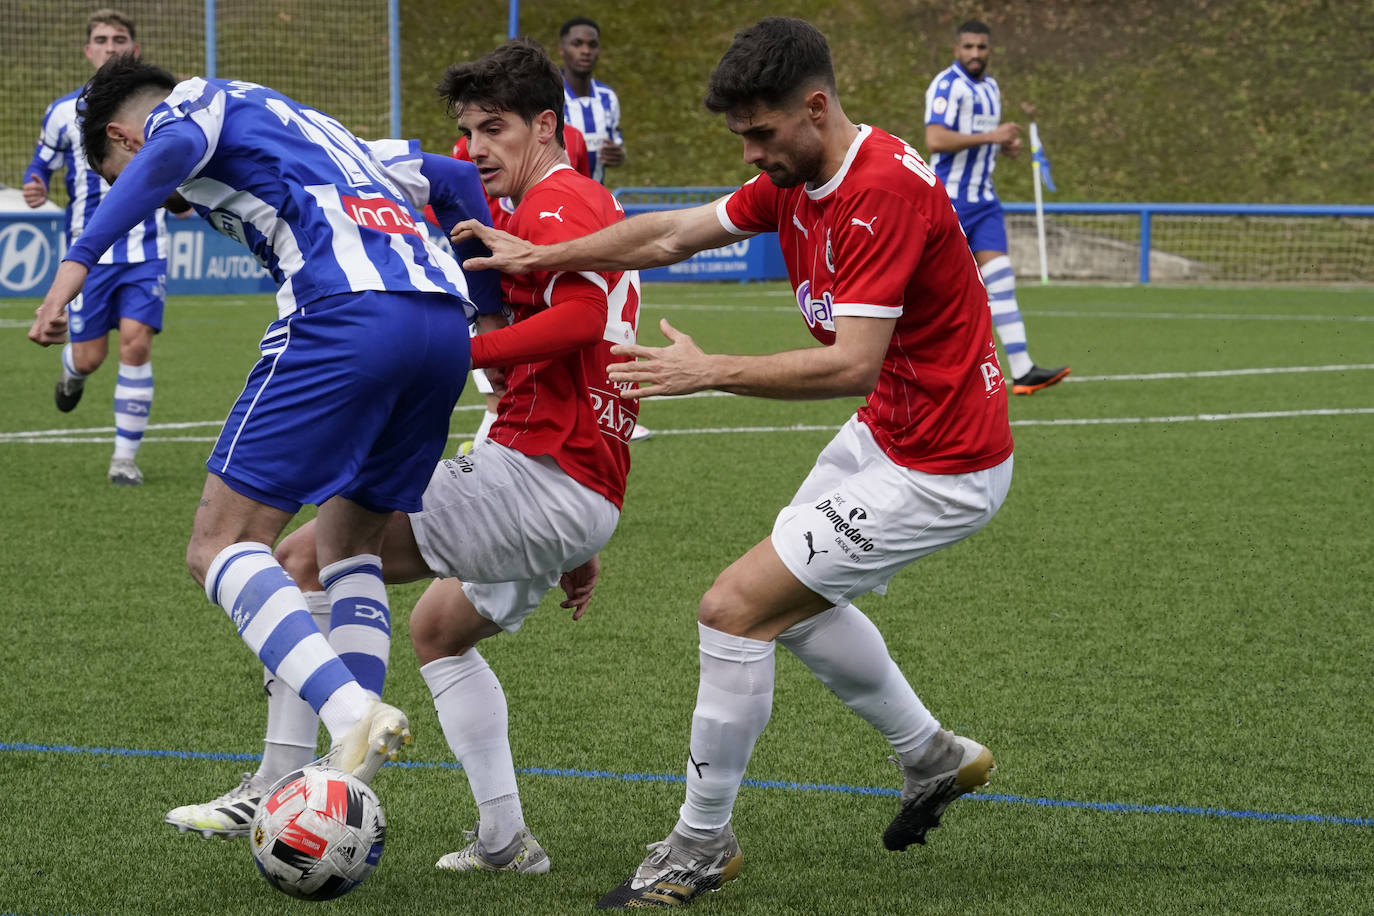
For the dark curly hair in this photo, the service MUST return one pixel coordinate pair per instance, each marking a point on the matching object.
(768, 63)
(517, 77)
(120, 79)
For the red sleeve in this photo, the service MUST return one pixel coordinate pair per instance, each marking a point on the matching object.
(880, 237)
(754, 207)
(572, 324)
(460, 149)
(577, 149)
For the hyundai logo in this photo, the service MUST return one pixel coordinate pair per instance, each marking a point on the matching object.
(25, 256)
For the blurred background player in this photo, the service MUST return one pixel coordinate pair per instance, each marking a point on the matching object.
(349, 403)
(593, 108)
(533, 507)
(882, 273)
(501, 208)
(127, 288)
(964, 133)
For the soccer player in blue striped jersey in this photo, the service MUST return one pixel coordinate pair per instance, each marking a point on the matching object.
(126, 289)
(349, 403)
(964, 132)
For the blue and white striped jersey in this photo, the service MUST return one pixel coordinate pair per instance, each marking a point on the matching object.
(969, 106)
(306, 196)
(59, 147)
(597, 116)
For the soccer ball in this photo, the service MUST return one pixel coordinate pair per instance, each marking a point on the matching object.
(318, 833)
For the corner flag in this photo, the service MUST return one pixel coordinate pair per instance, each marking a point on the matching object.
(1040, 159)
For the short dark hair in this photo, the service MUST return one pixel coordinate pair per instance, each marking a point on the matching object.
(120, 79)
(517, 77)
(973, 27)
(573, 23)
(107, 16)
(768, 63)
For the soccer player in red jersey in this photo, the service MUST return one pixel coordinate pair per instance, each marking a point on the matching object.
(532, 508)
(884, 277)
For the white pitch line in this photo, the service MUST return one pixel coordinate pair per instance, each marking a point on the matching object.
(1218, 373)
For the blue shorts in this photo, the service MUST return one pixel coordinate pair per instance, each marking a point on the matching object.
(984, 224)
(115, 291)
(351, 397)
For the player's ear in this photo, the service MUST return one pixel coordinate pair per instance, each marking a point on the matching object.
(817, 104)
(546, 125)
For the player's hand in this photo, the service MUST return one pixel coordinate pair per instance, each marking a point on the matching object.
(35, 191)
(1004, 134)
(612, 154)
(679, 368)
(578, 584)
(1012, 147)
(508, 254)
(496, 375)
(50, 318)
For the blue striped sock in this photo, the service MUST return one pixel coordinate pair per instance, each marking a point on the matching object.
(1006, 314)
(270, 614)
(133, 401)
(359, 618)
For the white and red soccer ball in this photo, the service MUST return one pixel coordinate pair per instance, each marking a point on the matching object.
(318, 833)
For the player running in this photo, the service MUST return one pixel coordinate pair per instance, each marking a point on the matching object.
(530, 509)
(884, 278)
(348, 406)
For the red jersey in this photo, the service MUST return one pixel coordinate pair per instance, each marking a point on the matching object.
(559, 401)
(881, 240)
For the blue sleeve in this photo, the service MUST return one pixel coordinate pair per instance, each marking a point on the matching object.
(38, 167)
(164, 162)
(455, 193)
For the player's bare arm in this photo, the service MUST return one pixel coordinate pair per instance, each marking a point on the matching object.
(35, 191)
(847, 368)
(50, 318)
(940, 139)
(648, 240)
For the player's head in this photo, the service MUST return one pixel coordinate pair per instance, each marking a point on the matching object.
(776, 87)
(509, 105)
(972, 46)
(579, 42)
(114, 105)
(109, 32)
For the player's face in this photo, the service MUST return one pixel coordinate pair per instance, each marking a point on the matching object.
(106, 41)
(783, 143)
(971, 51)
(503, 147)
(580, 49)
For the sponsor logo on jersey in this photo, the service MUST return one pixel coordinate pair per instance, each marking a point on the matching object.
(940, 103)
(829, 252)
(556, 214)
(378, 213)
(816, 311)
(855, 221)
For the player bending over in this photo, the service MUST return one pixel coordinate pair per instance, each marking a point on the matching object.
(530, 509)
(348, 405)
(885, 280)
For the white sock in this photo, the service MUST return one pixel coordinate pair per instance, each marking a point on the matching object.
(734, 701)
(359, 619)
(269, 612)
(69, 372)
(484, 429)
(292, 725)
(1006, 314)
(846, 652)
(133, 401)
(472, 712)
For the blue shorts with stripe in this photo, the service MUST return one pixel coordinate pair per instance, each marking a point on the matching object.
(115, 291)
(352, 396)
(984, 224)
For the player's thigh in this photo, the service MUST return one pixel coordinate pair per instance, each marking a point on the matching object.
(758, 597)
(445, 622)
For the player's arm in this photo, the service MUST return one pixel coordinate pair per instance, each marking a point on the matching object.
(455, 193)
(941, 139)
(38, 175)
(849, 367)
(166, 160)
(647, 240)
(576, 320)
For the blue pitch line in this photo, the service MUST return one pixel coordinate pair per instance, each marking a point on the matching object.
(1106, 807)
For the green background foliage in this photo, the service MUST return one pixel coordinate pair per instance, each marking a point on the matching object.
(1215, 100)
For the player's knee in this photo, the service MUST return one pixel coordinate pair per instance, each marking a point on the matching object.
(723, 608)
(296, 554)
(87, 361)
(135, 352)
(198, 559)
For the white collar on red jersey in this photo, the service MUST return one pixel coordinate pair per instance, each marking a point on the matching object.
(834, 182)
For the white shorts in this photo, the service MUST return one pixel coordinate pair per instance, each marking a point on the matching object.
(858, 517)
(508, 526)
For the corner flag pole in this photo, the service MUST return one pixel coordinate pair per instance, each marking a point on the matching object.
(1039, 204)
